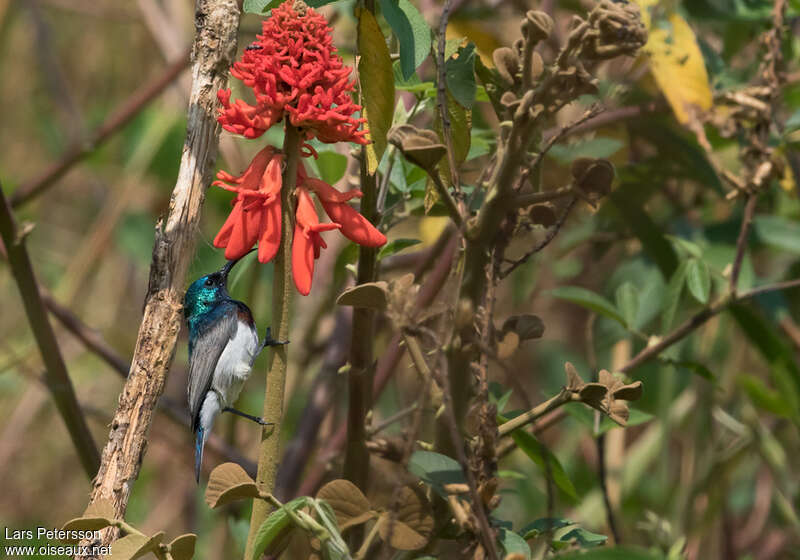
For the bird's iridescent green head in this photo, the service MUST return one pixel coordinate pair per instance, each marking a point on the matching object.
(207, 290)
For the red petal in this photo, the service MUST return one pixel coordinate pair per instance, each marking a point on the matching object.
(355, 227)
(270, 240)
(325, 192)
(245, 233)
(302, 260)
(224, 235)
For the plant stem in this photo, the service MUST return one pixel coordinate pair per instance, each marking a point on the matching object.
(56, 376)
(741, 242)
(269, 452)
(537, 412)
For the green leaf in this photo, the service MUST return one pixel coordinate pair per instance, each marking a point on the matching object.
(274, 525)
(692, 249)
(583, 537)
(259, 6)
(460, 76)
(672, 296)
(436, 469)
(590, 300)
(543, 525)
(764, 397)
(542, 456)
(698, 279)
(331, 166)
(779, 232)
(412, 33)
(628, 302)
(512, 543)
(377, 83)
(613, 553)
(395, 246)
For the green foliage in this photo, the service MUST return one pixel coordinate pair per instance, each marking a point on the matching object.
(412, 33)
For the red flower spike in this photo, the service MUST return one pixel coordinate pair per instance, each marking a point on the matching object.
(293, 70)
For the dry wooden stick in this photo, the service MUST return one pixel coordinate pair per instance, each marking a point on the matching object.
(213, 51)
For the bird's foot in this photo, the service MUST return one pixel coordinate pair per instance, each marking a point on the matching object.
(269, 341)
(256, 419)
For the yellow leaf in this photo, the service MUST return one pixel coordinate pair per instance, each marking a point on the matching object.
(377, 85)
(485, 41)
(430, 228)
(676, 62)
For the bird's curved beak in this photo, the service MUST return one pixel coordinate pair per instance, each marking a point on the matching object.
(225, 270)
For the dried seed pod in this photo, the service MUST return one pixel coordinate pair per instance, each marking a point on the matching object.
(537, 26)
(509, 100)
(543, 214)
(507, 63)
(525, 105)
(421, 147)
(593, 176)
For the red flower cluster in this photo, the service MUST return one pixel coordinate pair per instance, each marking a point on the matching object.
(256, 216)
(294, 72)
(293, 68)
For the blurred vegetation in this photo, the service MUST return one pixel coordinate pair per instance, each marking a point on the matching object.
(707, 464)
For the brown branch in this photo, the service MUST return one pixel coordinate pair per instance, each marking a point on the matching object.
(441, 91)
(214, 48)
(118, 119)
(478, 506)
(55, 375)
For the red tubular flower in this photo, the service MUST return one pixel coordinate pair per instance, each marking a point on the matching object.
(294, 72)
(293, 69)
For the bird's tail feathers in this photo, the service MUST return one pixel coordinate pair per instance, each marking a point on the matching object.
(200, 442)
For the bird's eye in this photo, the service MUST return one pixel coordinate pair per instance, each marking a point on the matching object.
(209, 282)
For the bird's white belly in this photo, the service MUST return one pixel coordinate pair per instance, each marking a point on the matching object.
(235, 362)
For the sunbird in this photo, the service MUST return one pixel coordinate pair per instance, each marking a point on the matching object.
(223, 344)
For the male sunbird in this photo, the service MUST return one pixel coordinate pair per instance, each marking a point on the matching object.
(223, 343)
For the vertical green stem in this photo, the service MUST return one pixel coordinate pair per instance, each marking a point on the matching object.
(356, 462)
(269, 453)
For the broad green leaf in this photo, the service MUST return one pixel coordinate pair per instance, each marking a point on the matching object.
(543, 525)
(672, 296)
(698, 279)
(460, 76)
(764, 397)
(589, 300)
(395, 246)
(779, 232)
(627, 296)
(377, 85)
(627, 204)
(542, 456)
(436, 469)
(274, 525)
(692, 249)
(331, 166)
(583, 537)
(259, 6)
(412, 33)
(512, 543)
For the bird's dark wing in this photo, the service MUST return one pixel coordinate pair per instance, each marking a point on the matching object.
(208, 347)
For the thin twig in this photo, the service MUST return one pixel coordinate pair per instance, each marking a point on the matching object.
(56, 376)
(551, 234)
(118, 119)
(699, 319)
(741, 242)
